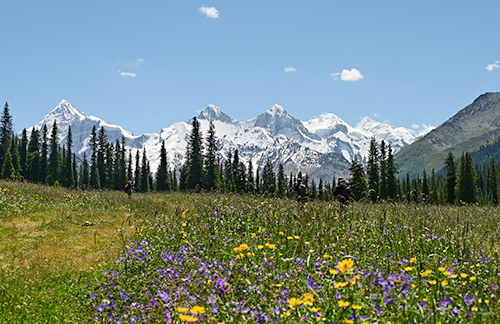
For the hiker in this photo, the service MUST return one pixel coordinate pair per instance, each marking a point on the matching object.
(301, 190)
(128, 188)
(343, 190)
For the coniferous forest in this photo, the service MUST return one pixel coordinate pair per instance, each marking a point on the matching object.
(42, 159)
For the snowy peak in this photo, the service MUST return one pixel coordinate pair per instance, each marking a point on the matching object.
(212, 112)
(326, 123)
(65, 111)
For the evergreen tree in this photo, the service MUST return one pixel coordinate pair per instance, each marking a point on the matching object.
(239, 173)
(194, 158)
(44, 150)
(493, 182)
(450, 167)
(433, 196)
(8, 170)
(69, 180)
(466, 183)
(130, 174)
(373, 170)
(281, 181)
(33, 166)
(313, 192)
(6, 133)
(250, 178)
(229, 185)
(425, 186)
(268, 179)
(384, 190)
(145, 174)
(102, 146)
(23, 153)
(257, 181)
(84, 173)
(94, 181)
(212, 170)
(137, 171)
(358, 180)
(162, 179)
(54, 166)
(391, 172)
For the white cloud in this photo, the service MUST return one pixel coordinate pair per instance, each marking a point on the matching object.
(290, 69)
(425, 129)
(135, 63)
(348, 75)
(491, 67)
(128, 74)
(210, 12)
(415, 126)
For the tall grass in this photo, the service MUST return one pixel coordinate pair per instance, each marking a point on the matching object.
(242, 259)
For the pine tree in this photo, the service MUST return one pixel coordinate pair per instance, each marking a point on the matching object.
(23, 153)
(6, 133)
(229, 185)
(493, 182)
(466, 183)
(250, 178)
(211, 163)
(373, 170)
(54, 166)
(145, 174)
(268, 179)
(137, 171)
(69, 180)
(44, 150)
(194, 158)
(8, 170)
(102, 145)
(281, 181)
(358, 179)
(425, 186)
(391, 172)
(162, 179)
(450, 167)
(84, 173)
(433, 197)
(33, 166)
(384, 190)
(94, 181)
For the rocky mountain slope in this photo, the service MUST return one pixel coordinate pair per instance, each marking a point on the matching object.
(323, 147)
(472, 127)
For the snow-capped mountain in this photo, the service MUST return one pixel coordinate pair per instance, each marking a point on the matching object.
(322, 147)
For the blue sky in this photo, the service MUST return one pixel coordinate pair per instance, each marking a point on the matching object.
(147, 64)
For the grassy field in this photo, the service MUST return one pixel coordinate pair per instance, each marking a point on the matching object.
(97, 256)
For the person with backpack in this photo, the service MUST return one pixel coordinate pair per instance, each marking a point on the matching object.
(343, 190)
(301, 190)
(128, 188)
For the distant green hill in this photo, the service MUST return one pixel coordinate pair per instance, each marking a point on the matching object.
(472, 127)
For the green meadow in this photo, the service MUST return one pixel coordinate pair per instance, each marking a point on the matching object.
(73, 256)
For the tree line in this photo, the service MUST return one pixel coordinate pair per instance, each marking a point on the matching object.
(42, 159)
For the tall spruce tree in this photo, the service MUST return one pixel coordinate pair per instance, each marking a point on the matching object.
(384, 188)
(44, 151)
(194, 158)
(212, 170)
(466, 183)
(162, 179)
(358, 179)
(391, 175)
(54, 161)
(94, 180)
(102, 146)
(6, 133)
(144, 174)
(23, 153)
(281, 181)
(373, 170)
(450, 167)
(84, 173)
(493, 182)
(33, 167)
(69, 179)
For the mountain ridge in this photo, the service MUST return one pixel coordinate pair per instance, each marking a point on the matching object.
(322, 148)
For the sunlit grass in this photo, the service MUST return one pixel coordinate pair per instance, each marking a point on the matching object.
(242, 259)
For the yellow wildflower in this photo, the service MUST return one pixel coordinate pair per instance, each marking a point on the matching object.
(198, 310)
(188, 319)
(182, 310)
(345, 265)
(308, 299)
(357, 307)
(314, 309)
(408, 268)
(333, 271)
(295, 302)
(344, 303)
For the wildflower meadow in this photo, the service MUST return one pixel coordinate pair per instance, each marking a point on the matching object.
(214, 258)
